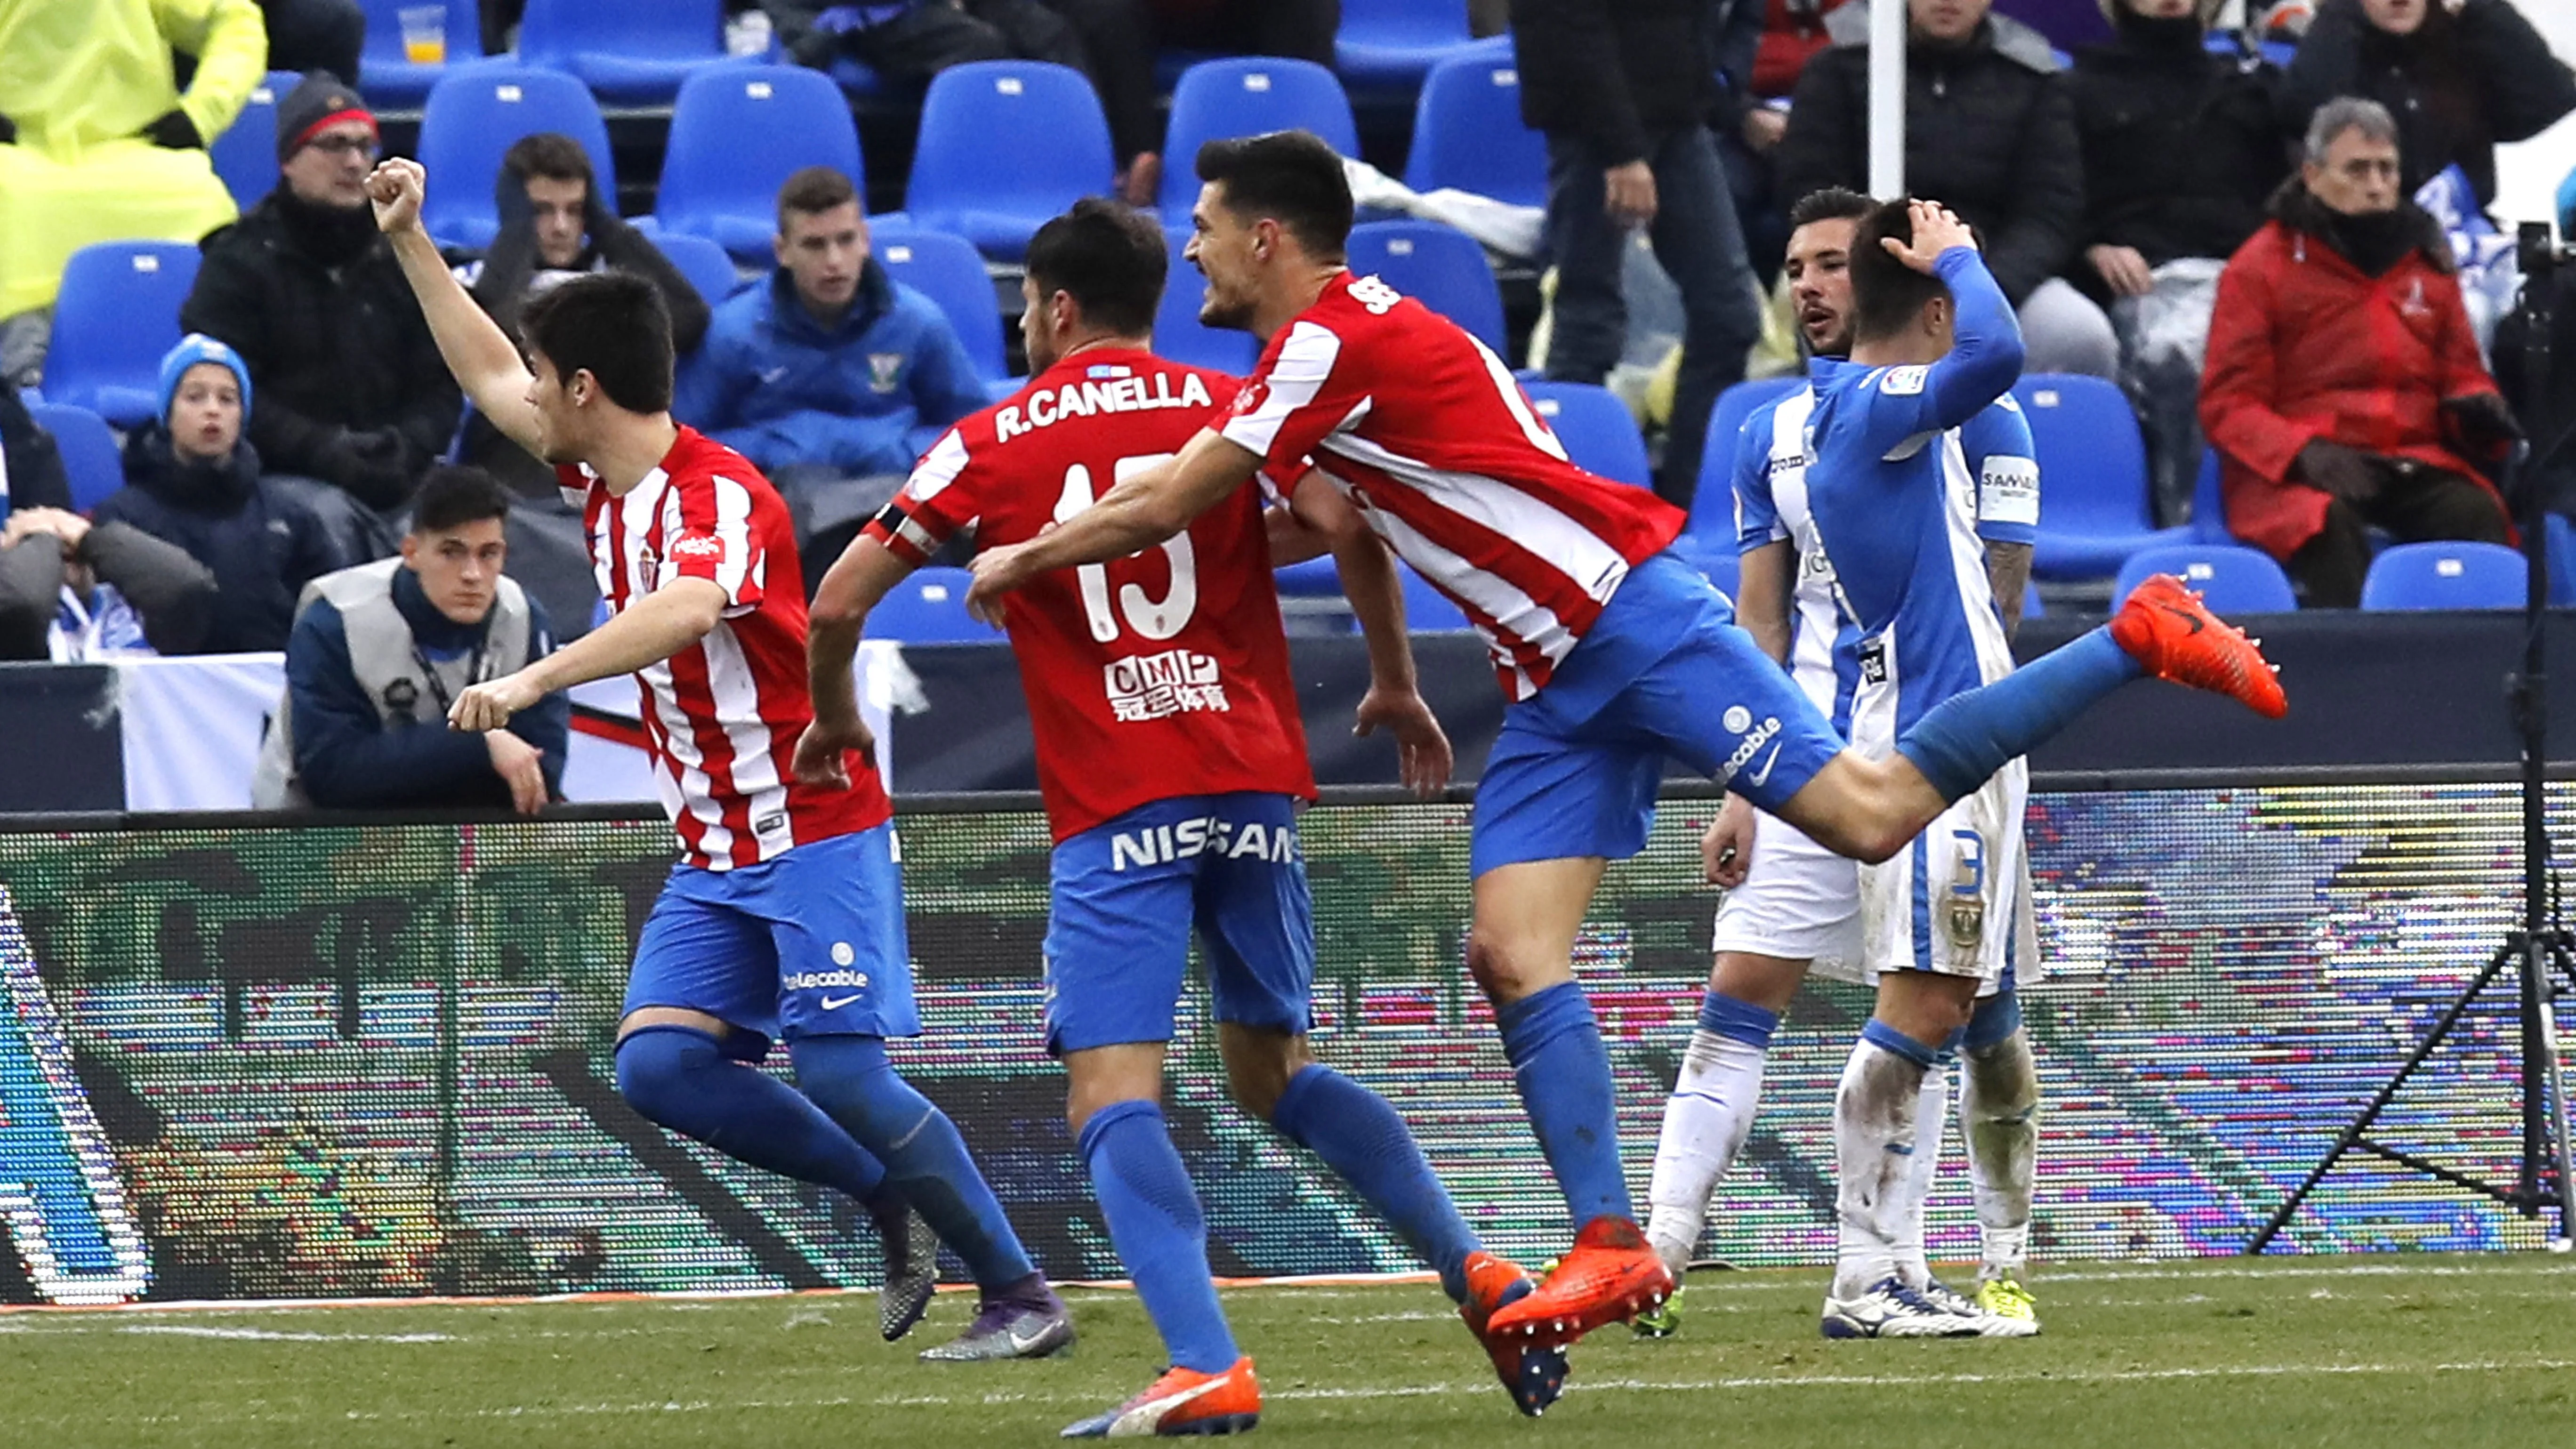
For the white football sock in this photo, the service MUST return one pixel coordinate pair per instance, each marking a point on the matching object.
(1999, 1111)
(1931, 1124)
(1874, 1124)
(1705, 1122)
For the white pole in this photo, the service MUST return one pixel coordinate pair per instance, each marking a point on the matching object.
(1887, 99)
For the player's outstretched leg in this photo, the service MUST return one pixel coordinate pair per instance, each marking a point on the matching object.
(849, 1077)
(1999, 1110)
(680, 1077)
(1706, 1120)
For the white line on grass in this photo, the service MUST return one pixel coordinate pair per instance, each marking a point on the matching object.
(272, 1335)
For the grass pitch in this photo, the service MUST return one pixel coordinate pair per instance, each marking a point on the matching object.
(2455, 1351)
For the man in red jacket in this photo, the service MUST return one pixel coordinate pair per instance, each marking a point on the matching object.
(2343, 388)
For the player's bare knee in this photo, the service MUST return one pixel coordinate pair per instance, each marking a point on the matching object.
(1494, 969)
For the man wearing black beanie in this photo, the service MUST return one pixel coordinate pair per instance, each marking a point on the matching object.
(354, 403)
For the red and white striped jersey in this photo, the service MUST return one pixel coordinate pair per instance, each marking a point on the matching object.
(722, 716)
(1424, 429)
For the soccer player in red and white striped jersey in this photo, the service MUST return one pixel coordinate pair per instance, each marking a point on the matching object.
(784, 917)
(1616, 654)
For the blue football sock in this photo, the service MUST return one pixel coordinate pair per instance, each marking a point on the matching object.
(1724, 1015)
(1888, 1039)
(850, 1079)
(1359, 1136)
(680, 1077)
(1997, 1016)
(1966, 738)
(1155, 1224)
(1563, 1073)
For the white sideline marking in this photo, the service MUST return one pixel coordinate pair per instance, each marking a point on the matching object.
(273, 1335)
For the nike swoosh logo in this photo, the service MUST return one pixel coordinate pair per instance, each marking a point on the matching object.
(1765, 772)
(772, 374)
(835, 1003)
(1021, 1344)
(2186, 615)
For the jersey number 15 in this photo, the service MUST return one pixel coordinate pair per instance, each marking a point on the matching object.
(1153, 618)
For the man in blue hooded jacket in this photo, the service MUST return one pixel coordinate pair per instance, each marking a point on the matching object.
(835, 377)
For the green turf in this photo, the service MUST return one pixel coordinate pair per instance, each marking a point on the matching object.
(2455, 1351)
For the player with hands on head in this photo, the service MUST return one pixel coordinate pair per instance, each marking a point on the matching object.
(1615, 653)
(1172, 760)
(784, 917)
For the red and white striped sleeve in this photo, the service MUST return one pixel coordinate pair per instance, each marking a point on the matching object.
(1305, 395)
(935, 503)
(707, 534)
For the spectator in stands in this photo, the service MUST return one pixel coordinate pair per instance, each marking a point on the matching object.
(191, 480)
(315, 35)
(97, 143)
(1792, 32)
(834, 377)
(2344, 389)
(1989, 132)
(909, 41)
(1121, 39)
(2459, 75)
(381, 650)
(31, 467)
(1624, 94)
(352, 392)
(2180, 155)
(73, 591)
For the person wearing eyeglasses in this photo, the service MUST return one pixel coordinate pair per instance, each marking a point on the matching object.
(354, 403)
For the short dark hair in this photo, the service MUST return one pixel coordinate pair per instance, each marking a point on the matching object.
(1109, 257)
(550, 154)
(813, 191)
(1829, 203)
(611, 325)
(1292, 178)
(1887, 295)
(454, 496)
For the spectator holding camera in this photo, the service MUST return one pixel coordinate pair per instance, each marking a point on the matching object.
(72, 591)
(2344, 389)
(354, 403)
(381, 650)
(192, 482)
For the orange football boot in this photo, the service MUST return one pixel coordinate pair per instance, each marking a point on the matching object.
(1182, 1401)
(1531, 1374)
(2166, 627)
(1611, 1276)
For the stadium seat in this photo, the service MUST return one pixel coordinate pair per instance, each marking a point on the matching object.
(1440, 266)
(1598, 431)
(245, 155)
(472, 118)
(387, 75)
(928, 607)
(635, 52)
(1391, 44)
(117, 316)
(89, 451)
(2208, 502)
(1426, 609)
(1712, 514)
(2094, 510)
(2229, 577)
(1467, 134)
(1247, 96)
(1005, 145)
(2445, 576)
(703, 263)
(2562, 559)
(1178, 333)
(737, 134)
(948, 270)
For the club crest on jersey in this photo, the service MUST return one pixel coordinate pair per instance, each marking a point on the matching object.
(1158, 686)
(1047, 406)
(884, 370)
(1904, 381)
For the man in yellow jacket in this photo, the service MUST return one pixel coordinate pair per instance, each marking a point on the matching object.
(96, 141)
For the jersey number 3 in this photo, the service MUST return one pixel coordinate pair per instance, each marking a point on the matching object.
(1152, 618)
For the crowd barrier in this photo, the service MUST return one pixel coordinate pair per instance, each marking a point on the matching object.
(265, 1058)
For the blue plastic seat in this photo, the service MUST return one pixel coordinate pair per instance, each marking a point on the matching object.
(1440, 266)
(1178, 333)
(737, 134)
(704, 263)
(2562, 559)
(1247, 96)
(116, 318)
(1391, 44)
(1426, 609)
(387, 76)
(1598, 431)
(2229, 577)
(245, 155)
(1004, 146)
(948, 270)
(928, 607)
(2445, 576)
(2094, 508)
(2209, 502)
(1712, 513)
(473, 117)
(634, 52)
(89, 451)
(1467, 133)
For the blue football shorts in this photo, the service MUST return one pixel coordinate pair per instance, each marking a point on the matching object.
(1129, 891)
(811, 943)
(1664, 674)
